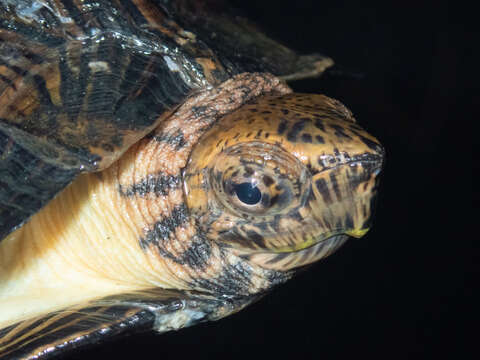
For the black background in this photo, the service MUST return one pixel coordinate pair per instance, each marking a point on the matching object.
(405, 290)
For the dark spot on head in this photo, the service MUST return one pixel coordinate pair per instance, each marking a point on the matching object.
(371, 144)
(248, 171)
(296, 129)
(307, 138)
(322, 188)
(320, 139)
(340, 132)
(336, 188)
(256, 238)
(319, 125)
(284, 111)
(267, 180)
(274, 200)
(282, 127)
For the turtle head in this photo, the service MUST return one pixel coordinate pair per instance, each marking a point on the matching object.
(285, 180)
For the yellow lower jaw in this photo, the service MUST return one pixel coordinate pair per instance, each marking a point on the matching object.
(357, 233)
(312, 240)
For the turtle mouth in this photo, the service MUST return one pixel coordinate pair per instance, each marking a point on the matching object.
(326, 246)
(284, 261)
(323, 248)
(310, 241)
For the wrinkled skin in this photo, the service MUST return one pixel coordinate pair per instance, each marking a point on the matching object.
(206, 183)
(170, 213)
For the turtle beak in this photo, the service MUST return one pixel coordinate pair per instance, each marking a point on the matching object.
(372, 165)
(344, 197)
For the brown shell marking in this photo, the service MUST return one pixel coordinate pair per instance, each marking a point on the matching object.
(78, 84)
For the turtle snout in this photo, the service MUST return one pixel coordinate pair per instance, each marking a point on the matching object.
(371, 163)
(374, 161)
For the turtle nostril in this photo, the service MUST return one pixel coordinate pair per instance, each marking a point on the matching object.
(248, 193)
(374, 161)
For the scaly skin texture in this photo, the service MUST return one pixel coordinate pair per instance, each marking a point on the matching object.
(215, 183)
(87, 243)
(165, 214)
(317, 170)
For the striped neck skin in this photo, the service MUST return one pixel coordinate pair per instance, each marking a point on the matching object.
(128, 227)
(174, 211)
(284, 180)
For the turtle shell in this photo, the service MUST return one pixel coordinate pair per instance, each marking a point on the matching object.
(80, 82)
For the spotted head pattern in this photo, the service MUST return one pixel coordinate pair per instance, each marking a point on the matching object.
(197, 180)
(284, 180)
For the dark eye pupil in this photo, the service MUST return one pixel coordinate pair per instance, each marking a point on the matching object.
(247, 193)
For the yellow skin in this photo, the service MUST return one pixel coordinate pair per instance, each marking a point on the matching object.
(168, 216)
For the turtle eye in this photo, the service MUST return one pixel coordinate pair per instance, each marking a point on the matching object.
(248, 193)
(244, 189)
(255, 190)
(258, 179)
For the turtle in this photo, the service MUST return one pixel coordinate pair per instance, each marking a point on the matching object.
(156, 171)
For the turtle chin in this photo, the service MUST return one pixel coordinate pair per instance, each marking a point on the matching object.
(285, 261)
